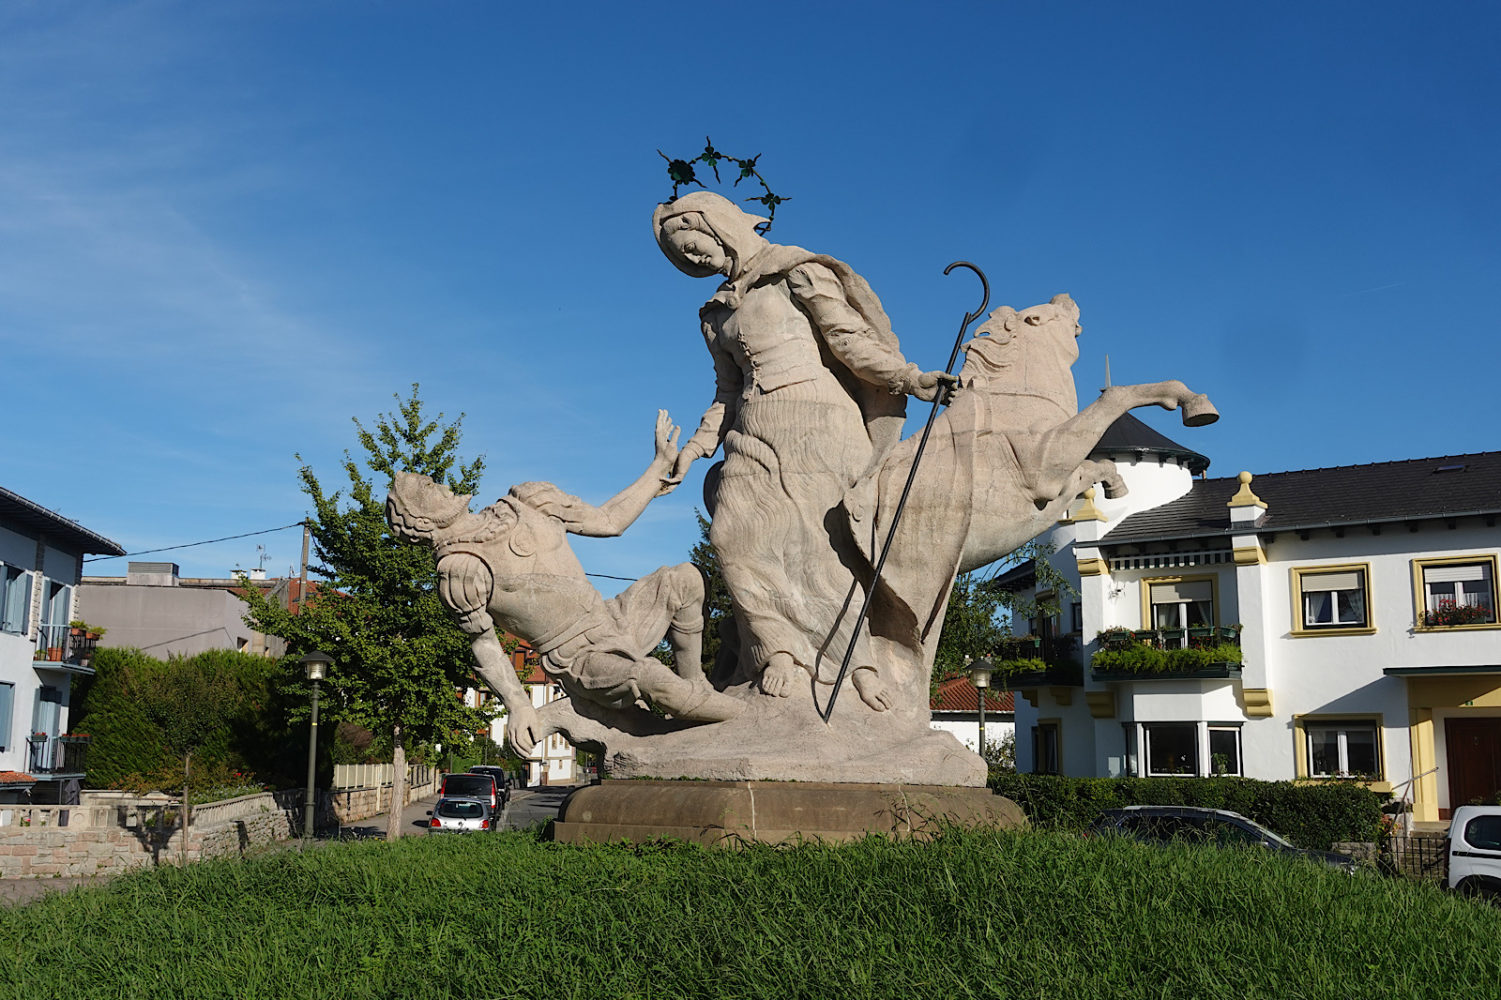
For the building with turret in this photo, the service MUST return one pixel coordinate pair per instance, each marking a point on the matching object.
(1324, 623)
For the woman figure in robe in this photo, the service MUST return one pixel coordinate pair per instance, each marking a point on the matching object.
(811, 390)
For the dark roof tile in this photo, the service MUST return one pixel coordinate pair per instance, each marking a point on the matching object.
(1316, 498)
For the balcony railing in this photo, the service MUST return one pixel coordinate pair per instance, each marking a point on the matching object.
(64, 644)
(55, 755)
(1034, 659)
(1210, 650)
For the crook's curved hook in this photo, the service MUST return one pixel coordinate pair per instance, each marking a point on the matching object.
(984, 283)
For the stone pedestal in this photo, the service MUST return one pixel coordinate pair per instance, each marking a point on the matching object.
(773, 812)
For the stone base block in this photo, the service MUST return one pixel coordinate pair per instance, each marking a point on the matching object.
(773, 812)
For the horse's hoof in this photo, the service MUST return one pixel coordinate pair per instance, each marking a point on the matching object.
(1198, 411)
(1116, 490)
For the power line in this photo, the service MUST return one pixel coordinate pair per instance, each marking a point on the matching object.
(189, 545)
(298, 524)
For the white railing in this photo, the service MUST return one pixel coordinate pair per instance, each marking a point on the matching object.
(57, 817)
(376, 775)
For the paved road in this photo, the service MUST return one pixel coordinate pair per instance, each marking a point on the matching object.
(527, 807)
(535, 805)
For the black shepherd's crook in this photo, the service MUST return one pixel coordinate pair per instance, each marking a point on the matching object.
(896, 518)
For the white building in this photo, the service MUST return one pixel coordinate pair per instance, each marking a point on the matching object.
(554, 761)
(1365, 598)
(155, 609)
(41, 560)
(955, 707)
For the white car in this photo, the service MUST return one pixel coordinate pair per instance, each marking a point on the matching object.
(455, 815)
(1475, 851)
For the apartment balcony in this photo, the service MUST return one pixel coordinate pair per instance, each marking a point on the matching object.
(1038, 661)
(1210, 652)
(65, 648)
(56, 757)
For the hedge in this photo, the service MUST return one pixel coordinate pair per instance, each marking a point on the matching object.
(229, 708)
(1311, 815)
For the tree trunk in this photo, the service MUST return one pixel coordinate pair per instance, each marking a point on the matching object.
(398, 784)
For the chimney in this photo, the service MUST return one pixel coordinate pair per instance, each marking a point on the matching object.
(151, 574)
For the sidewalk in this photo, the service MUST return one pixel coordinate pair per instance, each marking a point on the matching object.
(413, 820)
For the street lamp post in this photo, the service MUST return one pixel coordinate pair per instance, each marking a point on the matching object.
(979, 676)
(316, 664)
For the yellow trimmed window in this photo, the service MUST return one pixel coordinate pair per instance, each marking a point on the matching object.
(1332, 598)
(1454, 593)
(1344, 748)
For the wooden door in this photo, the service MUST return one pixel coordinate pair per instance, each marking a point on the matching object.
(1474, 757)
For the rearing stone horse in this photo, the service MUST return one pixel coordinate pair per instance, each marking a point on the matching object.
(1002, 464)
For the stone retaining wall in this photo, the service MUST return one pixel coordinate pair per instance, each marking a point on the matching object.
(113, 835)
(102, 840)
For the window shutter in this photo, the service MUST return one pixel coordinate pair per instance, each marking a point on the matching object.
(1172, 593)
(1461, 573)
(1332, 581)
(17, 595)
(7, 704)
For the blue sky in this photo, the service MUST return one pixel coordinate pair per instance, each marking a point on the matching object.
(227, 228)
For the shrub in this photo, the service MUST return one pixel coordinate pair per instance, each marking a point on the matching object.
(1311, 815)
(225, 707)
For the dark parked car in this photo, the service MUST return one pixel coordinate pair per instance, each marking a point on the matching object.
(501, 776)
(1196, 825)
(472, 786)
(461, 816)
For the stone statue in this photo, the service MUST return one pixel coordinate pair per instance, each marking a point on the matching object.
(809, 404)
(810, 394)
(510, 566)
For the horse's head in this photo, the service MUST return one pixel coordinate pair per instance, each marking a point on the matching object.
(1028, 353)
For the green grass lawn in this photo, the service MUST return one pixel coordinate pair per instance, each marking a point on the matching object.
(970, 915)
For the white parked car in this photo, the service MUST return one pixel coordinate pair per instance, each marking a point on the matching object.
(455, 815)
(1475, 851)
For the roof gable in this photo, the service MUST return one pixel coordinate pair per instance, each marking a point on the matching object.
(38, 520)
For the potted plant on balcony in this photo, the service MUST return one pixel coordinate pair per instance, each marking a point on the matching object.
(80, 629)
(1450, 613)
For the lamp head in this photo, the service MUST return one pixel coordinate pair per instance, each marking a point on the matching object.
(316, 664)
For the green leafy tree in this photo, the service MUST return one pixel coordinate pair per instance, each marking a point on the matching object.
(973, 625)
(399, 660)
(719, 613)
(981, 613)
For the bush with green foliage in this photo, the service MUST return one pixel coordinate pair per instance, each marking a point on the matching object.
(1310, 814)
(228, 709)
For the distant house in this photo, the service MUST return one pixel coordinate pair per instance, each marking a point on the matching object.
(156, 610)
(955, 707)
(555, 760)
(1359, 602)
(41, 561)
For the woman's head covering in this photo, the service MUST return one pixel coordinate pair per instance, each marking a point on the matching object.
(715, 214)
